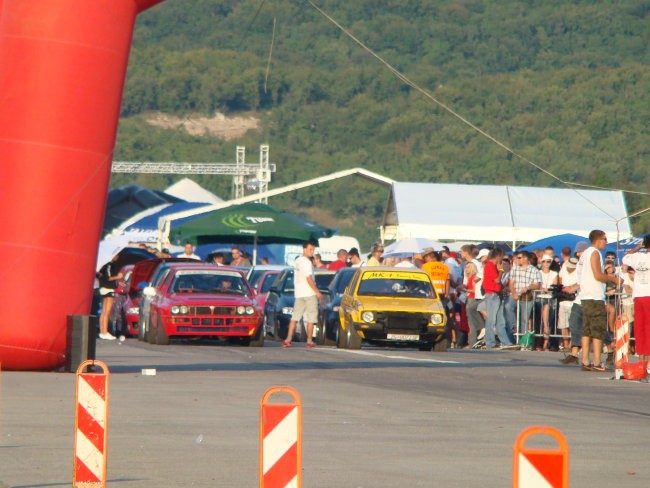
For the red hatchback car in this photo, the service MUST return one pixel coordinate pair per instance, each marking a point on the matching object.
(204, 301)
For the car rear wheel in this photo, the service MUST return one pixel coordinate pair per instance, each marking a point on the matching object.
(440, 345)
(162, 339)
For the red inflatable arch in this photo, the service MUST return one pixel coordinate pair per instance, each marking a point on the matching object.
(61, 78)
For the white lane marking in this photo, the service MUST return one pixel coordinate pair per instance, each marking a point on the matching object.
(279, 440)
(369, 353)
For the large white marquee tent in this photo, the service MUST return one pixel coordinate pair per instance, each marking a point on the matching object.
(512, 214)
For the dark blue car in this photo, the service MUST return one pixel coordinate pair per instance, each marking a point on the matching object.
(328, 324)
(279, 304)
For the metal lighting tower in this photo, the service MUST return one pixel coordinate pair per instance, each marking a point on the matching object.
(245, 176)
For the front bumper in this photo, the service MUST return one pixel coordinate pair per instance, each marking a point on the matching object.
(233, 326)
(399, 327)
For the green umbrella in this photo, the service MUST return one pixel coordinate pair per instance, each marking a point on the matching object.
(249, 222)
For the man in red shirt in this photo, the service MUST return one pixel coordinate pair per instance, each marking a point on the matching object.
(492, 288)
(341, 261)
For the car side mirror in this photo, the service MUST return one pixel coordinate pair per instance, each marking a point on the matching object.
(274, 289)
(149, 291)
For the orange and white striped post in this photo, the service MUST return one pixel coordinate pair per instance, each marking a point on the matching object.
(90, 427)
(280, 440)
(622, 345)
(540, 468)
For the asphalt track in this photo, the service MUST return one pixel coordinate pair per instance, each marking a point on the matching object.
(379, 417)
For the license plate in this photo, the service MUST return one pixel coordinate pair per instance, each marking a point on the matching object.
(402, 337)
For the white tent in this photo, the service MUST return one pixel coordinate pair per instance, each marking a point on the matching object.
(190, 191)
(500, 213)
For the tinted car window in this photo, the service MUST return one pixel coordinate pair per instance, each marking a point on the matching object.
(402, 287)
(342, 282)
(288, 283)
(268, 283)
(323, 280)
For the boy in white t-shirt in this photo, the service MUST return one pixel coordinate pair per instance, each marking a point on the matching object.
(306, 295)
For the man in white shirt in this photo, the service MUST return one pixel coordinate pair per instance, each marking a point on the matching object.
(640, 262)
(189, 252)
(306, 295)
(592, 280)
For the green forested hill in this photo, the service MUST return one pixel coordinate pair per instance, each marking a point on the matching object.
(566, 84)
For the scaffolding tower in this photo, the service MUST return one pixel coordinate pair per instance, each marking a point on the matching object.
(245, 176)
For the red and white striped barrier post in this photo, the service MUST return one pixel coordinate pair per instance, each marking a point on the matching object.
(540, 468)
(622, 345)
(280, 440)
(90, 427)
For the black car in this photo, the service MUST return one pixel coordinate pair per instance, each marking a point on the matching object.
(279, 304)
(328, 323)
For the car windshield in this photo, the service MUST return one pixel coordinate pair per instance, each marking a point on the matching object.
(395, 284)
(343, 281)
(201, 282)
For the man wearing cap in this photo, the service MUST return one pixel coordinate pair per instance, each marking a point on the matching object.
(524, 278)
(592, 280)
(641, 294)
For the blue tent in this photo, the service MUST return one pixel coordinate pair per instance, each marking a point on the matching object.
(624, 245)
(556, 242)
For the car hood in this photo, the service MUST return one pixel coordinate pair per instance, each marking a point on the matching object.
(223, 299)
(401, 304)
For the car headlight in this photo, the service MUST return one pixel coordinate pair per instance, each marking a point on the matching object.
(367, 316)
(241, 310)
(183, 309)
(436, 319)
(133, 310)
(250, 310)
(175, 309)
(287, 310)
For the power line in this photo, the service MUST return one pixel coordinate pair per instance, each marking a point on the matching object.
(398, 74)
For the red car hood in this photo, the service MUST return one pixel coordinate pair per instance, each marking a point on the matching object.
(222, 299)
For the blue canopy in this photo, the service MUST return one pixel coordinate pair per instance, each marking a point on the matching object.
(556, 242)
(624, 245)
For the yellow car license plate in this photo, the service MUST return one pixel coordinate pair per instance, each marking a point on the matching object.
(402, 337)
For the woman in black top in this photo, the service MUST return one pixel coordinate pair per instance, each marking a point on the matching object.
(108, 280)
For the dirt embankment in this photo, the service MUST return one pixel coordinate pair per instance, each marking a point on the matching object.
(226, 128)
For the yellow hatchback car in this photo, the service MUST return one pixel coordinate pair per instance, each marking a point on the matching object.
(383, 304)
